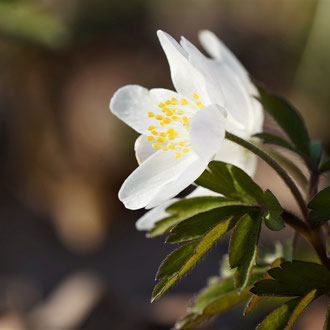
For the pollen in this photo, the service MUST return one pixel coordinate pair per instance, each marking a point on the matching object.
(170, 131)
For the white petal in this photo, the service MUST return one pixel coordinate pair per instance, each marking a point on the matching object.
(208, 69)
(131, 104)
(161, 174)
(186, 79)
(183, 180)
(147, 221)
(219, 51)
(207, 131)
(232, 153)
(143, 149)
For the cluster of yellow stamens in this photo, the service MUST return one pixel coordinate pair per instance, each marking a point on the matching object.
(175, 115)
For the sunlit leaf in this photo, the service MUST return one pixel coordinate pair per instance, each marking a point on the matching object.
(216, 298)
(186, 257)
(284, 316)
(199, 224)
(187, 208)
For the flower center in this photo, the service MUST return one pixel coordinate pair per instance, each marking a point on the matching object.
(171, 129)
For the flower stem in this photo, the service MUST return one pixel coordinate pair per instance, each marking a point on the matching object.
(271, 162)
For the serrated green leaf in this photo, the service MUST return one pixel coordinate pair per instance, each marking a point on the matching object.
(327, 320)
(279, 318)
(302, 305)
(273, 139)
(256, 299)
(187, 208)
(273, 219)
(191, 206)
(199, 224)
(230, 181)
(217, 298)
(289, 119)
(174, 262)
(295, 278)
(320, 206)
(243, 246)
(286, 315)
(189, 259)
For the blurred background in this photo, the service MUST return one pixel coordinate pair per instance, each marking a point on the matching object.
(69, 253)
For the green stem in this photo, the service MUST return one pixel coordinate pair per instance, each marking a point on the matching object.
(271, 162)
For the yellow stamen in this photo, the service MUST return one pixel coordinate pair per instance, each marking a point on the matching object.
(150, 128)
(155, 145)
(186, 150)
(178, 154)
(150, 138)
(154, 132)
(159, 117)
(195, 96)
(184, 102)
(160, 139)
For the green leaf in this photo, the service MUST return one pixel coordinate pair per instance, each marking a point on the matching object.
(289, 119)
(285, 316)
(273, 139)
(187, 208)
(320, 206)
(256, 299)
(216, 298)
(187, 257)
(243, 246)
(295, 278)
(273, 219)
(199, 224)
(230, 181)
(327, 320)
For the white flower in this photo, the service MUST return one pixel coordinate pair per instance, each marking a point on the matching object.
(182, 131)
(229, 72)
